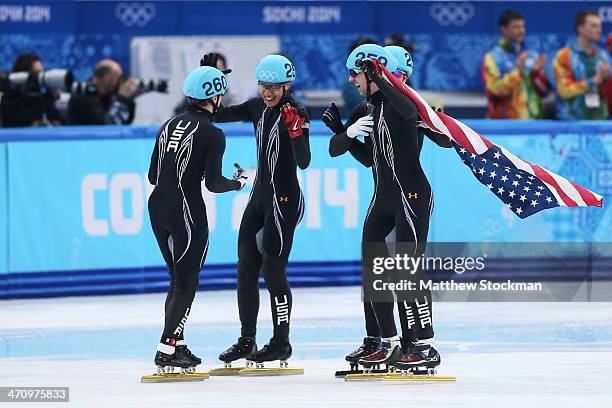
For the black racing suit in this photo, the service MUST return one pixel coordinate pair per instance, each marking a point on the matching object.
(188, 149)
(274, 210)
(402, 202)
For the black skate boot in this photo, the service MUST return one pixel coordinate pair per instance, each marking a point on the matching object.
(423, 358)
(276, 349)
(407, 346)
(243, 348)
(370, 345)
(388, 353)
(183, 349)
(166, 362)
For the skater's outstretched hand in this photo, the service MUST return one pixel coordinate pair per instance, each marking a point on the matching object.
(331, 118)
(210, 60)
(244, 177)
(294, 120)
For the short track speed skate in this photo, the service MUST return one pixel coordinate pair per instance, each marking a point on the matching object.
(275, 350)
(419, 364)
(243, 348)
(388, 352)
(167, 364)
(369, 346)
(422, 357)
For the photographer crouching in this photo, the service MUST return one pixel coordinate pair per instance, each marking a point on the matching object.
(106, 99)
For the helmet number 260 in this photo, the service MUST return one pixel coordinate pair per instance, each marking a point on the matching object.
(217, 85)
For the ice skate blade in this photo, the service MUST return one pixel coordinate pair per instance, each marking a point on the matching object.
(419, 378)
(174, 377)
(373, 376)
(271, 371)
(344, 373)
(226, 371)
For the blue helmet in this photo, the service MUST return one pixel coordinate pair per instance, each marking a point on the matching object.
(373, 51)
(204, 83)
(275, 69)
(404, 60)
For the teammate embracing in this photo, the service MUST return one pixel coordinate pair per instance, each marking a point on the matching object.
(275, 207)
(400, 208)
(188, 149)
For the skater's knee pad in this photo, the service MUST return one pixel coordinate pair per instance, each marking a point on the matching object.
(188, 283)
(275, 275)
(247, 276)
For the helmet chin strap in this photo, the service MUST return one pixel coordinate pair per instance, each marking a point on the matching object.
(368, 90)
(214, 105)
(370, 107)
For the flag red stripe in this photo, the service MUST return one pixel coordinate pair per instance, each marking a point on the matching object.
(457, 132)
(544, 176)
(403, 88)
(486, 141)
(588, 197)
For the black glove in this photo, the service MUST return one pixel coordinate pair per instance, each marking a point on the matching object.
(210, 60)
(369, 67)
(331, 118)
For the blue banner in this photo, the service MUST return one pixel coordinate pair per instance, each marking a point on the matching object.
(3, 211)
(299, 17)
(73, 203)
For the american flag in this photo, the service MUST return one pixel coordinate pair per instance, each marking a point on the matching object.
(524, 187)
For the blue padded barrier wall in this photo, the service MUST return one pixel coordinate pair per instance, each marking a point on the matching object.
(74, 221)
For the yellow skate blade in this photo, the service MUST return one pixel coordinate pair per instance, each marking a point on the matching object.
(226, 371)
(271, 371)
(365, 377)
(173, 377)
(419, 378)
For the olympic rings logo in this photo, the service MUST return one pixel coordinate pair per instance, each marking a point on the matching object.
(447, 14)
(268, 76)
(605, 13)
(135, 14)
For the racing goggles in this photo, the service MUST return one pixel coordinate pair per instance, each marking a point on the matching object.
(354, 72)
(270, 87)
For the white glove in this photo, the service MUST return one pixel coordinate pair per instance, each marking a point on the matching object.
(244, 177)
(364, 126)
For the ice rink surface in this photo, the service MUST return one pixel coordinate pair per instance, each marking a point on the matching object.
(503, 354)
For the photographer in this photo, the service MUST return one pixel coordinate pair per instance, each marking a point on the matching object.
(108, 99)
(27, 105)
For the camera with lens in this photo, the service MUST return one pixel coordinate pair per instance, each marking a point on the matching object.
(142, 86)
(150, 85)
(36, 83)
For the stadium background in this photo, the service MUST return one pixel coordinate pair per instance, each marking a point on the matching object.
(73, 200)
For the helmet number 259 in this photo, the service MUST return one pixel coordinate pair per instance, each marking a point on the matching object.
(362, 55)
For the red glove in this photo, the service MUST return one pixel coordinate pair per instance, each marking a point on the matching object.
(293, 120)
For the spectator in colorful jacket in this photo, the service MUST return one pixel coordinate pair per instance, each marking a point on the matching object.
(580, 71)
(514, 78)
(606, 86)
